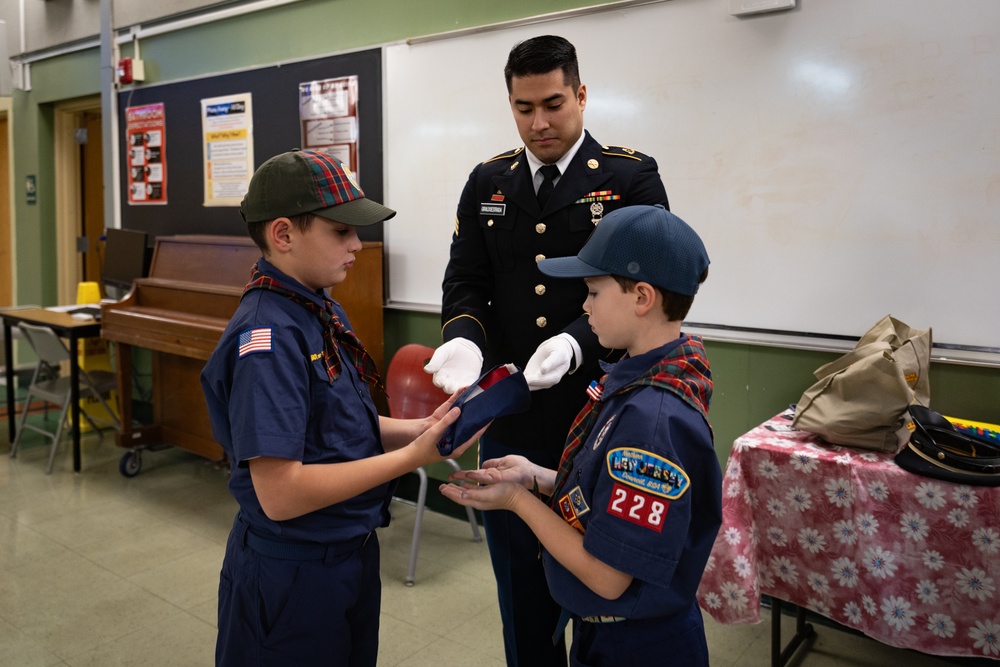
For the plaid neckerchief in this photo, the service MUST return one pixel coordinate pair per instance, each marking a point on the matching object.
(336, 337)
(684, 371)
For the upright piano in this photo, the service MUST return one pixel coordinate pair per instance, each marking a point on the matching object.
(179, 313)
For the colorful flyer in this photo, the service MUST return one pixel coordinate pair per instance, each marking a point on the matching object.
(328, 115)
(145, 128)
(227, 125)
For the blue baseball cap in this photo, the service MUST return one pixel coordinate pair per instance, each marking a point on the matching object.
(645, 243)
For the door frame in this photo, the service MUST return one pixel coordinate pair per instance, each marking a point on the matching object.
(9, 232)
(69, 213)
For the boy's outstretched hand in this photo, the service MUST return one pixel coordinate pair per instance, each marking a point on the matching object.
(488, 496)
(500, 481)
(512, 468)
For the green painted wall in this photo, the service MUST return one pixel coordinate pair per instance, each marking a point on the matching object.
(752, 382)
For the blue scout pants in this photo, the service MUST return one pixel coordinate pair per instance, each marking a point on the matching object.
(297, 610)
(641, 643)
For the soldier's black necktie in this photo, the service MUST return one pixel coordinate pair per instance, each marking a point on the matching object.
(550, 173)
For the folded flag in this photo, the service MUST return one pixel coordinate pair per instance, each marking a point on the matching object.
(498, 392)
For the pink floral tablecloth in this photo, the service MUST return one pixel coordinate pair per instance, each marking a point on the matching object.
(908, 560)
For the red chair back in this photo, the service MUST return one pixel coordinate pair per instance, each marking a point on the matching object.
(411, 390)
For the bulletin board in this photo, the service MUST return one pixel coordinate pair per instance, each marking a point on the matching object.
(275, 93)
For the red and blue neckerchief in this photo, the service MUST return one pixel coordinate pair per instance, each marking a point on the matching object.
(684, 371)
(336, 336)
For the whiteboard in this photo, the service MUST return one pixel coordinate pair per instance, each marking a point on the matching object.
(840, 160)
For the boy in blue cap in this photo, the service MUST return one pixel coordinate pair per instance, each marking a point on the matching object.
(637, 496)
(313, 464)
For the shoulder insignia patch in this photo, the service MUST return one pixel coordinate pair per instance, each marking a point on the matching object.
(505, 156)
(622, 151)
(647, 471)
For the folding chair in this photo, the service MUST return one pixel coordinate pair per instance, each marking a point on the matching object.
(412, 395)
(47, 385)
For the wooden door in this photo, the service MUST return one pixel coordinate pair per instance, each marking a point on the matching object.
(92, 195)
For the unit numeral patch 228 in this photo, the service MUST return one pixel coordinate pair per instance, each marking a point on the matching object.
(640, 508)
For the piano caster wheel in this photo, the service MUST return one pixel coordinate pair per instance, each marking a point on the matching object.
(130, 464)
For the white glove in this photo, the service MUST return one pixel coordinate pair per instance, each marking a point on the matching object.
(551, 361)
(455, 364)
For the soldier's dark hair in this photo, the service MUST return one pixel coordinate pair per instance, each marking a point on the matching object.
(541, 55)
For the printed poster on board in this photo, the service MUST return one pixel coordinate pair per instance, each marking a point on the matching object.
(328, 115)
(145, 128)
(227, 125)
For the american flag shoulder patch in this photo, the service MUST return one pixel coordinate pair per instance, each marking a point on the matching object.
(255, 340)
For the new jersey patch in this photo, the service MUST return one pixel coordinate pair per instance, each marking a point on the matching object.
(647, 472)
(256, 340)
(638, 507)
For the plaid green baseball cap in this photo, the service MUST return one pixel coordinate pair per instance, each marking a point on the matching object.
(309, 182)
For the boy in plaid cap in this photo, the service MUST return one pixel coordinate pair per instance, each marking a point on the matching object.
(289, 395)
(637, 496)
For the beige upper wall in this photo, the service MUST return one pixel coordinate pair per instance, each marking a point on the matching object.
(52, 23)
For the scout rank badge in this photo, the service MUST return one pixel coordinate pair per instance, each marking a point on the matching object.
(572, 506)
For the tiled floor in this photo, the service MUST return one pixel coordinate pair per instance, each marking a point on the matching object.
(100, 570)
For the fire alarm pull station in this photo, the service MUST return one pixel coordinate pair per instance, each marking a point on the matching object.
(130, 70)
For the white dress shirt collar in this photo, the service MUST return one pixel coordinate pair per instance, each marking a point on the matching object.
(535, 164)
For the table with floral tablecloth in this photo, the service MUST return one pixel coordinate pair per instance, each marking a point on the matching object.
(908, 560)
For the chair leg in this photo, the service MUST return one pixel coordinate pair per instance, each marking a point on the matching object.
(93, 426)
(115, 422)
(469, 512)
(22, 420)
(411, 573)
(56, 437)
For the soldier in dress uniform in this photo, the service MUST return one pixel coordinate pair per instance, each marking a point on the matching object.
(539, 200)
